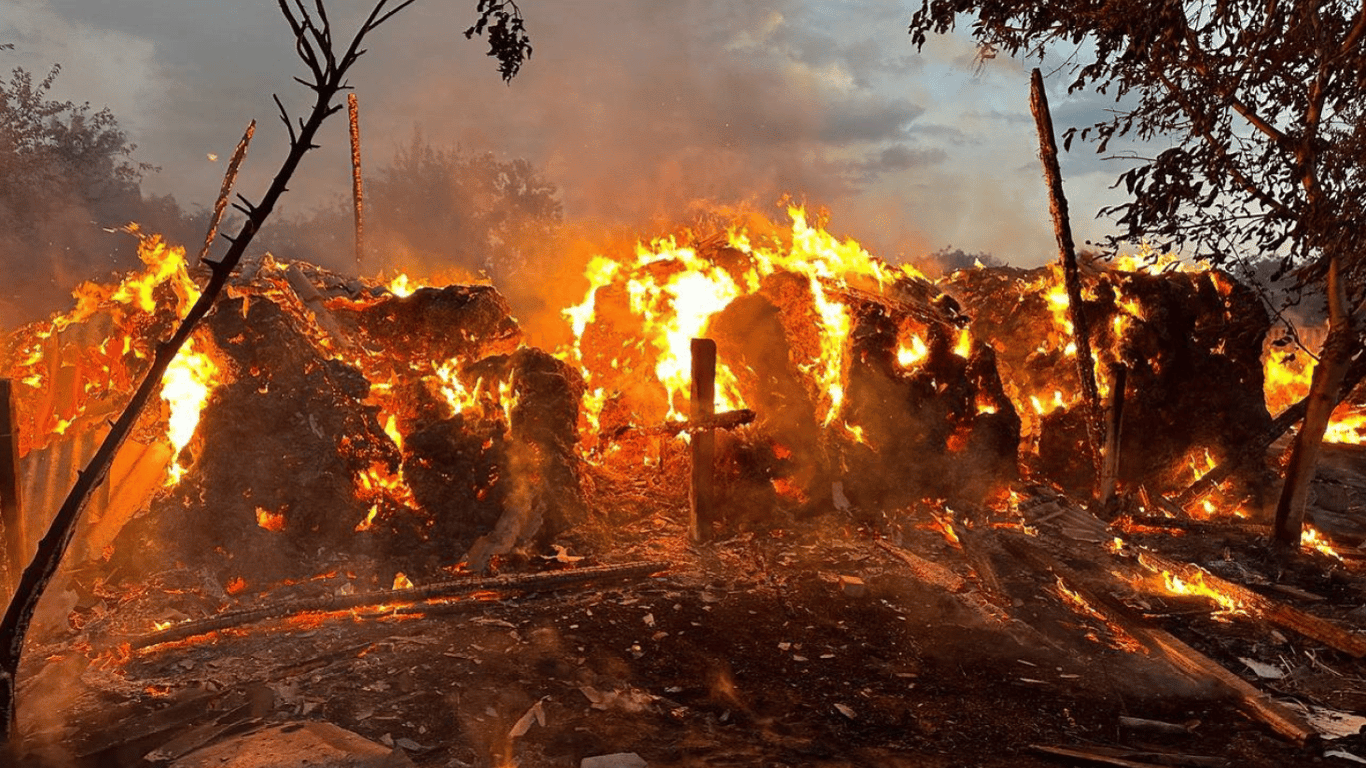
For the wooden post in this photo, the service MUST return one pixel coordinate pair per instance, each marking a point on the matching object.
(1114, 419)
(701, 497)
(11, 506)
(357, 194)
(225, 190)
(1062, 228)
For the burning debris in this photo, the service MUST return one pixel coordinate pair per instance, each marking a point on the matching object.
(1191, 342)
(324, 437)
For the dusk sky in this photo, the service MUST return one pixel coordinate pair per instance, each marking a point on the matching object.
(633, 107)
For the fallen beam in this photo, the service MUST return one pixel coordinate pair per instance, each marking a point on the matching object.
(1250, 700)
(1129, 758)
(535, 582)
(723, 420)
(1266, 608)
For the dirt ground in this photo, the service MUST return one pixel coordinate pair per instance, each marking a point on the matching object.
(809, 643)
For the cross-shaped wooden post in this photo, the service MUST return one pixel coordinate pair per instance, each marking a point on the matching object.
(701, 497)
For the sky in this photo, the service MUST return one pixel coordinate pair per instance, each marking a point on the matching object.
(634, 108)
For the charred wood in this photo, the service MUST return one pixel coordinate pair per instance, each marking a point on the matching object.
(1114, 421)
(702, 494)
(1265, 608)
(520, 583)
(312, 300)
(1251, 701)
(357, 189)
(11, 505)
(225, 191)
(1129, 758)
(1062, 228)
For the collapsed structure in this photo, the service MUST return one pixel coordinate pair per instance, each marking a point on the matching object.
(319, 422)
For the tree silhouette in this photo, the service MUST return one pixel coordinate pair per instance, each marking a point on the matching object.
(1256, 109)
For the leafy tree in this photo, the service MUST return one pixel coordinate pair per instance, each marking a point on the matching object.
(65, 171)
(1257, 109)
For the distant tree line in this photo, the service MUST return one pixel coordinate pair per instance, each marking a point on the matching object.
(68, 180)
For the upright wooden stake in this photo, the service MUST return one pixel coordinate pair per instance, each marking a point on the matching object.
(1114, 418)
(225, 191)
(1062, 228)
(11, 505)
(703, 441)
(357, 194)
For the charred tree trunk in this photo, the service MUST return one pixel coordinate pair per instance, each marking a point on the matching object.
(313, 40)
(1062, 228)
(1334, 360)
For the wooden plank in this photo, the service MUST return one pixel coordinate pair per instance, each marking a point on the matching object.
(1266, 608)
(1250, 700)
(702, 490)
(11, 504)
(1114, 420)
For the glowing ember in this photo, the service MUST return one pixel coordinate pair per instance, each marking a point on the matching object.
(271, 521)
(401, 581)
(369, 521)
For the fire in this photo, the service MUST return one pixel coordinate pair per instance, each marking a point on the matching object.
(855, 432)
(401, 581)
(1149, 260)
(911, 350)
(186, 386)
(378, 483)
(369, 521)
(1197, 585)
(165, 263)
(1312, 538)
(1287, 375)
(498, 400)
(402, 285)
(964, 346)
(674, 293)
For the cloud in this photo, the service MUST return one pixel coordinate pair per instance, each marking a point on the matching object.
(633, 109)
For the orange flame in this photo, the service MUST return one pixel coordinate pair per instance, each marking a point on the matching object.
(186, 386)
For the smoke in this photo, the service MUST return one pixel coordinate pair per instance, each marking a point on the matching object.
(635, 110)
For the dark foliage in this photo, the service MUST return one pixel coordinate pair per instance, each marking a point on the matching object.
(1260, 106)
(501, 22)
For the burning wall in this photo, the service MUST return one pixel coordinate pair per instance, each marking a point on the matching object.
(1192, 344)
